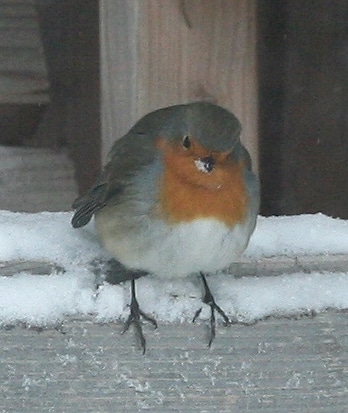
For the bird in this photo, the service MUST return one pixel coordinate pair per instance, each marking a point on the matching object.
(176, 197)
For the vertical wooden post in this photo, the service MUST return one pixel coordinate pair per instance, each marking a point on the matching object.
(157, 53)
(118, 40)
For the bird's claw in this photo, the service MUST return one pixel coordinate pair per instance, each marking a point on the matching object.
(209, 300)
(134, 318)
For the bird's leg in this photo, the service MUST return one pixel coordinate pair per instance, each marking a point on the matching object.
(209, 300)
(134, 318)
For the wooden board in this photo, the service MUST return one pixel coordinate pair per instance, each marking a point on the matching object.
(158, 53)
(36, 179)
(23, 75)
(270, 266)
(274, 366)
(303, 107)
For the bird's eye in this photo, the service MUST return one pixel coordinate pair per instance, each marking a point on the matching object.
(186, 143)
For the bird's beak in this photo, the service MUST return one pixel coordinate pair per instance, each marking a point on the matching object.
(205, 164)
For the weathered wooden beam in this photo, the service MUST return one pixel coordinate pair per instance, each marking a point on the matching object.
(23, 74)
(156, 53)
(244, 268)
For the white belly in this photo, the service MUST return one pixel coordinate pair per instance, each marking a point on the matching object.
(174, 251)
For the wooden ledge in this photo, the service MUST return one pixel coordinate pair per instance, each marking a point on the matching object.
(271, 266)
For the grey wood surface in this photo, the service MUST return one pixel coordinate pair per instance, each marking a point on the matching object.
(36, 179)
(23, 74)
(159, 53)
(276, 365)
(269, 266)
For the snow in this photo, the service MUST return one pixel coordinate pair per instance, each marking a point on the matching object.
(41, 300)
(299, 235)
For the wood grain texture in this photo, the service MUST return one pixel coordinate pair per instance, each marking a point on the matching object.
(118, 69)
(275, 366)
(315, 145)
(245, 267)
(157, 53)
(36, 179)
(23, 75)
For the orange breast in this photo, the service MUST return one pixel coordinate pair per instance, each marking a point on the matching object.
(186, 193)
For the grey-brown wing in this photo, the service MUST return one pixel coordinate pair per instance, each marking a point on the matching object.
(88, 204)
(127, 156)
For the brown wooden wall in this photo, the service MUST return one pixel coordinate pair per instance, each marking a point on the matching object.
(23, 75)
(284, 62)
(303, 57)
(70, 34)
(157, 53)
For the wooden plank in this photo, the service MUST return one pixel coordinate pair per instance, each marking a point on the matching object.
(163, 53)
(20, 38)
(304, 92)
(8, 269)
(36, 179)
(275, 366)
(24, 60)
(70, 34)
(118, 31)
(17, 9)
(23, 75)
(271, 266)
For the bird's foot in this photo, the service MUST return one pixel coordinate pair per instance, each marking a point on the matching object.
(134, 318)
(209, 300)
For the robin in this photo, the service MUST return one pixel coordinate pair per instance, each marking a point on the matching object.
(176, 197)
